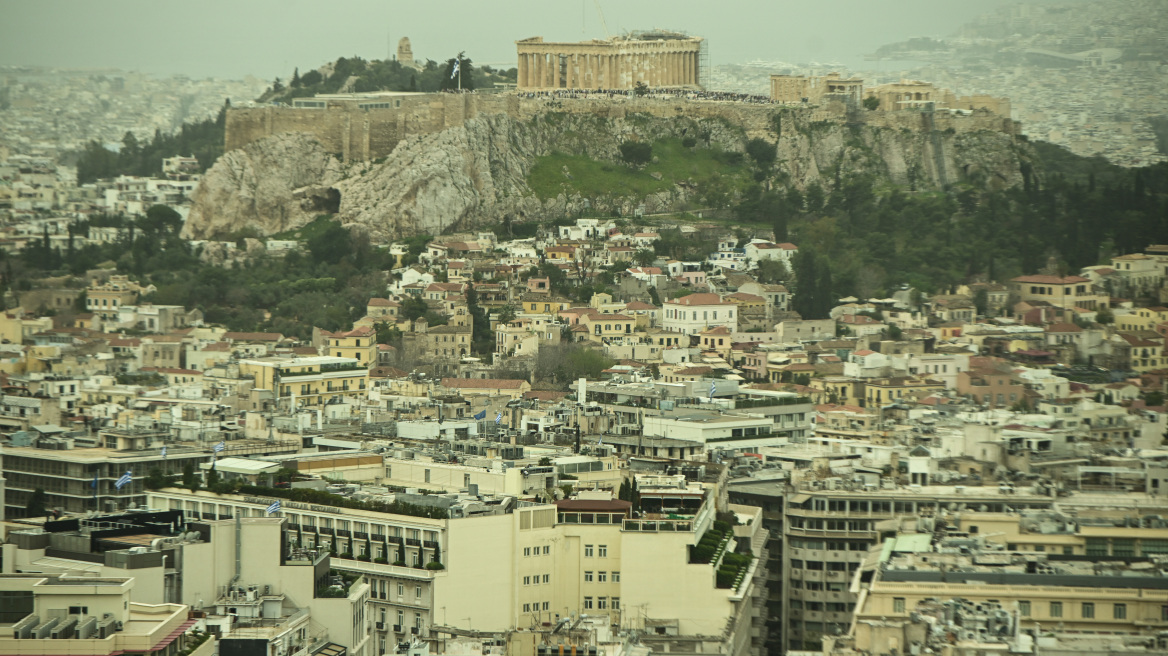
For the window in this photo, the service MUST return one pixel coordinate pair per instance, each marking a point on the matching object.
(526, 551)
(601, 577)
(527, 580)
(1088, 610)
(602, 551)
(417, 592)
(616, 603)
(587, 551)
(78, 610)
(1119, 612)
(1056, 609)
(401, 618)
(427, 475)
(527, 608)
(1024, 608)
(587, 603)
(587, 577)
(546, 578)
(616, 577)
(401, 590)
(546, 550)
(545, 605)
(898, 604)
(601, 603)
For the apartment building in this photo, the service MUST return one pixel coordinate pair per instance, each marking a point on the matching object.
(536, 562)
(252, 591)
(90, 616)
(308, 380)
(1022, 596)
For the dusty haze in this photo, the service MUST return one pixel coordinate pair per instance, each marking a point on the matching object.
(267, 38)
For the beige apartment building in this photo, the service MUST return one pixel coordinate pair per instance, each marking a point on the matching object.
(252, 591)
(536, 564)
(308, 380)
(89, 616)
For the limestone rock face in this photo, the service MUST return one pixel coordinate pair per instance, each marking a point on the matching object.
(275, 184)
(475, 174)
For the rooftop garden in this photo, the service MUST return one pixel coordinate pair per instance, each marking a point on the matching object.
(711, 545)
(329, 589)
(322, 498)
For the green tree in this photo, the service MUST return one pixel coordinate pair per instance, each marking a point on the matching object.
(189, 479)
(762, 152)
(387, 334)
(330, 245)
(157, 480)
(640, 89)
(36, 504)
(772, 272)
(645, 257)
(981, 301)
(636, 153)
(871, 103)
(413, 307)
(465, 73)
(507, 313)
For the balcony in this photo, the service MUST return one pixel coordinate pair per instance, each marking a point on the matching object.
(380, 626)
(413, 542)
(379, 569)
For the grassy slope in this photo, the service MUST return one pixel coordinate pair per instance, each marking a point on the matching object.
(675, 163)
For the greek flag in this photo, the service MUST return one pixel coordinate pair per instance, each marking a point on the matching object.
(713, 388)
(219, 447)
(454, 71)
(163, 452)
(600, 442)
(481, 415)
(124, 480)
(274, 508)
(499, 417)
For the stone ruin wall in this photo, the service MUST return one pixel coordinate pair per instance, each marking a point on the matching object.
(357, 134)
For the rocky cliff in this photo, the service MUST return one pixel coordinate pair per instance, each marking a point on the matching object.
(477, 173)
(269, 186)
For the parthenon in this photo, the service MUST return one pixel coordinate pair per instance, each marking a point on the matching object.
(659, 59)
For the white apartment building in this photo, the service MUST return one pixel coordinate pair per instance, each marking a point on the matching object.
(694, 313)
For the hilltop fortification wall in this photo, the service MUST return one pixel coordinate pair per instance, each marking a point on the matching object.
(355, 133)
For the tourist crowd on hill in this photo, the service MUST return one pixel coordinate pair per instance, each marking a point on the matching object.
(666, 93)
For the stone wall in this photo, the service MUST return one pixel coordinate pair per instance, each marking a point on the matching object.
(357, 134)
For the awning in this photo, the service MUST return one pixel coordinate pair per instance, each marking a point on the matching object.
(800, 498)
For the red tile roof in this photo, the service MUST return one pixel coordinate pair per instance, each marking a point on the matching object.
(482, 383)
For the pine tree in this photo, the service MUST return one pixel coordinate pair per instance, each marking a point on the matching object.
(36, 504)
(295, 81)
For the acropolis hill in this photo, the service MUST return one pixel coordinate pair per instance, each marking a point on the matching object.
(370, 126)
(413, 163)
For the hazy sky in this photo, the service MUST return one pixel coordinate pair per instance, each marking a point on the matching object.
(232, 38)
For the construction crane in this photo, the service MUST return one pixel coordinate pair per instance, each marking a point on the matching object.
(603, 24)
